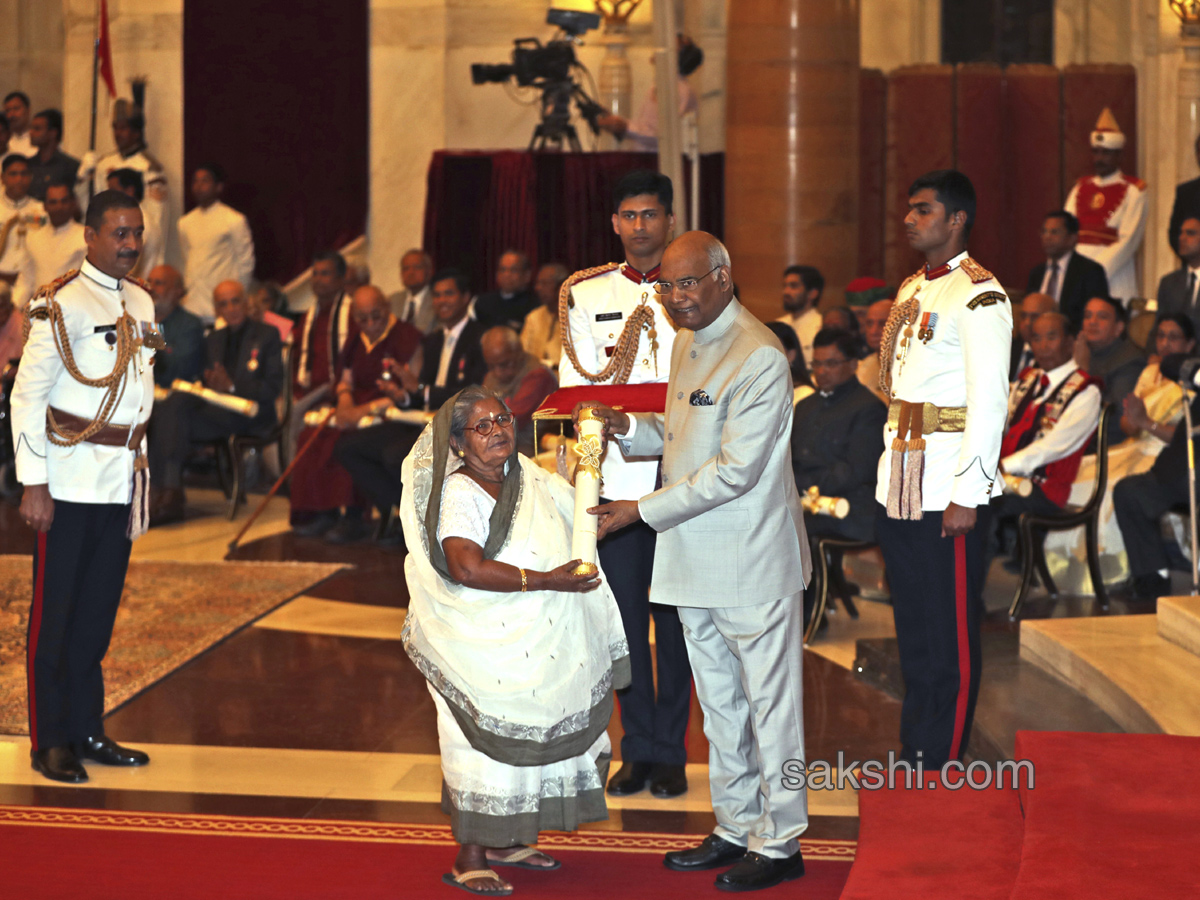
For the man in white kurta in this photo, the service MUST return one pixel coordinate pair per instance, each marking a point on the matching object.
(215, 241)
(54, 249)
(20, 215)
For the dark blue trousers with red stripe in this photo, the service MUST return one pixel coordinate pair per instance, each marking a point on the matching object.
(936, 585)
(79, 570)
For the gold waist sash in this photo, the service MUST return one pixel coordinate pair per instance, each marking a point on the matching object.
(933, 418)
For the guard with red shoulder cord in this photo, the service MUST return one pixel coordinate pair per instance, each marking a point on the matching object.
(944, 362)
(80, 406)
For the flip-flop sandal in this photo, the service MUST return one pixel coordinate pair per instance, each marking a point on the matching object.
(517, 860)
(460, 881)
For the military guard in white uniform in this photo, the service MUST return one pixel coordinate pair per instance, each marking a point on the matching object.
(615, 331)
(80, 405)
(944, 367)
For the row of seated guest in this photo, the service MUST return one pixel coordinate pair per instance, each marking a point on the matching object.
(1177, 291)
(540, 335)
(243, 358)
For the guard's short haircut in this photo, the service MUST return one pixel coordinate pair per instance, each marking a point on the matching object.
(213, 169)
(810, 277)
(130, 178)
(1117, 306)
(17, 95)
(1069, 221)
(645, 181)
(102, 203)
(11, 160)
(339, 261)
(458, 275)
(953, 190)
(53, 119)
(847, 343)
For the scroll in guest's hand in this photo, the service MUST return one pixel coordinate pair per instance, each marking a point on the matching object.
(615, 422)
(615, 516)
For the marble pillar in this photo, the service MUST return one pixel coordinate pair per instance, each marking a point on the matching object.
(791, 163)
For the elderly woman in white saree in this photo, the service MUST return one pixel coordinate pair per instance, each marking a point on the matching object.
(521, 654)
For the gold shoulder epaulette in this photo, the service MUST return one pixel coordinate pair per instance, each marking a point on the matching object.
(594, 272)
(145, 287)
(911, 278)
(47, 291)
(977, 273)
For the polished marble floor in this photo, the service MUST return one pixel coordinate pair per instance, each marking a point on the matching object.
(314, 711)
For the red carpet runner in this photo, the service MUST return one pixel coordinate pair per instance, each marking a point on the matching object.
(50, 853)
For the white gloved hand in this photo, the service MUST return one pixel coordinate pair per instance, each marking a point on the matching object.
(87, 165)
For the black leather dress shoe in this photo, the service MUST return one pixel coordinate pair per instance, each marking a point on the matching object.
(668, 781)
(756, 872)
(58, 764)
(630, 778)
(712, 853)
(107, 751)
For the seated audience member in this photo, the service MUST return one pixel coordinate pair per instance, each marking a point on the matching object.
(1068, 278)
(268, 303)
(54, 249)
(321, 488)
(1177, 290)
(512, 300)
(517, 378)
(12, 340)
(801, 380)
(1111, 356)
(244, 360)
(451, 359)
(540, 335)
(837, 439)
(868, 368)
(321, 335)
(414, 304)
(129, 181)
(184, 356)
(1053, 410)
(49, 164)
(862, 294)
(842, 319)
(1032, 306)
(16, 206)
(1150, 415)
(802, 288)
(1141, 500)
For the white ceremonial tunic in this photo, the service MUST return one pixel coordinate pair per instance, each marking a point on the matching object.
(216, 246)
(140, 161)
(153, 239)
(50, 252)
(87, 472)
(31, 215)
(964, 363)
(602, 305)
(1128, 220)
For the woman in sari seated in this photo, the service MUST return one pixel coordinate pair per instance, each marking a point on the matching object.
(1148, 416)
(521, 653)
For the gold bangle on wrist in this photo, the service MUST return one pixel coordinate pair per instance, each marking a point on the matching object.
(524, 581)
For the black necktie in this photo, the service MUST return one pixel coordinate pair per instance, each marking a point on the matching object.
(1052, 284)
(1191, 287)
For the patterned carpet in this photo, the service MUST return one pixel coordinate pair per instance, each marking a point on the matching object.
(170, 613)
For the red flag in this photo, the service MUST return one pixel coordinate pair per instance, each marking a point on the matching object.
(104, 51)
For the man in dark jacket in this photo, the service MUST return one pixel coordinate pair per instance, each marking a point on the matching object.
(1070, 278)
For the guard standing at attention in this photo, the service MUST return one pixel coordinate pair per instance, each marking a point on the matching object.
(944, 367)
(79, 408)
(615, 331)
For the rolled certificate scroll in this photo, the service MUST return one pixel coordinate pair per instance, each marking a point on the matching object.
(587, 490)
(1014, 484)
(216, 398)
(813, 502)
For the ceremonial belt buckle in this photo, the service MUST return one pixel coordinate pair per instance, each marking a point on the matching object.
(128, 436)
(933, 418)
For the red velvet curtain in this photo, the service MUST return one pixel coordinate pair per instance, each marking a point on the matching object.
(554, 206)
(278, 96)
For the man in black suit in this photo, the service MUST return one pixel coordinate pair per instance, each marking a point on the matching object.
(1187, 203)
(512, 300)
(1177, 291)
(1141, 500)
(451, 359)
(1069, 277)
(244, 359)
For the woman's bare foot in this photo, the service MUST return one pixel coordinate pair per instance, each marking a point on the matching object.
(472, 858)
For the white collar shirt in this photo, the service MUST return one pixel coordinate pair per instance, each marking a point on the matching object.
(449, 341)
(217, 246)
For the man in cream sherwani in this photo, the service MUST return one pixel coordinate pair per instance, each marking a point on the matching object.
(732, 555)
